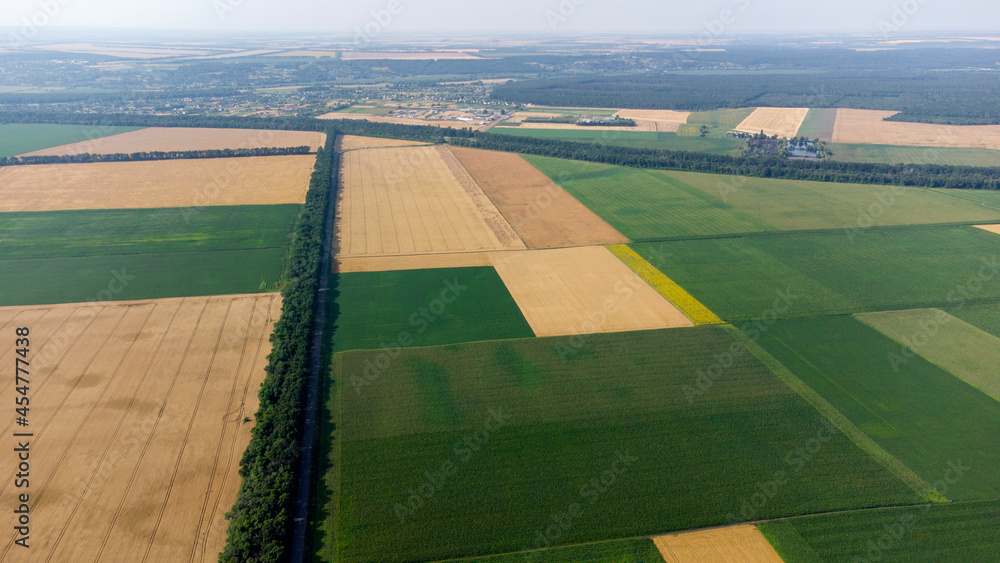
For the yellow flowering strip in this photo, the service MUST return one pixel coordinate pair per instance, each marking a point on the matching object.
(691, 307)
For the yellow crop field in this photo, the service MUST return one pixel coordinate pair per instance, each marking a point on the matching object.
(582, 291)
(140, 412)
(691, 307)
(166, 139)
(262, 180)
(869, 127)
(400, 201)
(404, 120)
(783, 122)
(744, 544)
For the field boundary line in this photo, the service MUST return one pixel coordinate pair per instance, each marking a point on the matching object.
(693, 309)
(485, 207)
(924, 489)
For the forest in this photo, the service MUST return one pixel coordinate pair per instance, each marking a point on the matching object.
(955, 98)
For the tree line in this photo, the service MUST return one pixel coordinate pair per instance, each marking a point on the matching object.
(423, 133)
(923, 175)
(152, 155)
(261, 520)
(955, 98)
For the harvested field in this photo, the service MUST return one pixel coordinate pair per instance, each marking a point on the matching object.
(264, 180)
(348, 264)
(662, 121)
(542, 213)
(408, 201)
(869, 127)
(402, 120)
(138, 418)
(783, 122)
(582, 291)
(990, 228)
(352, 142)
(124, 51)
(736, 544)
(167, 139)
(432, 56)
(306, 53)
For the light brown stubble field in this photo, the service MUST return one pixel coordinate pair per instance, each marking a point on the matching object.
(137, 410)
(264, 180)
(862, 126)
(783, 122)
(167, 139)
(582, 290)
(542, 213)
(403, 120)
(736, 544)
(663, 121)
(352, 142)
(390, 56)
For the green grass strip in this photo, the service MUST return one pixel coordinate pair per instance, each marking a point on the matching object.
(862, 440)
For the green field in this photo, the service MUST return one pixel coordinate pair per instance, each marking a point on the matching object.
(890, 154)
(378, 308)
(148, 276)
(618, 551)
(19, 138)
(827, 273)
(510, 436)
(967, 531)
(819, 124)
(950, 343)
(924, 416)
(633, 139)
(985, 317)
(58, 234)
(718, 122)
(75, 256)
(982, 197)
(647, 204)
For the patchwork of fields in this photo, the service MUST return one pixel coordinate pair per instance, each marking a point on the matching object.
(148, 290)
(568, 433)
(530, 359)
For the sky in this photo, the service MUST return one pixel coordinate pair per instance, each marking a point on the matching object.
(720, 18)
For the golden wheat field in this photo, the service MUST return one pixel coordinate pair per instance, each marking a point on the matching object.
(582, 291)
(663, 121)
(262, 180)
(869, 127)
(140, 412)
(404, 120)
(783, 122)
(352, 142)
(735, 544)
(400, 201)
(166, 139)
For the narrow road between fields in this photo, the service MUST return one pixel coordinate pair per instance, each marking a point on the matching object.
(308, 435)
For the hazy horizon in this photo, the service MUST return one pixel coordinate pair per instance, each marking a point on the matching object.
(401, 18)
